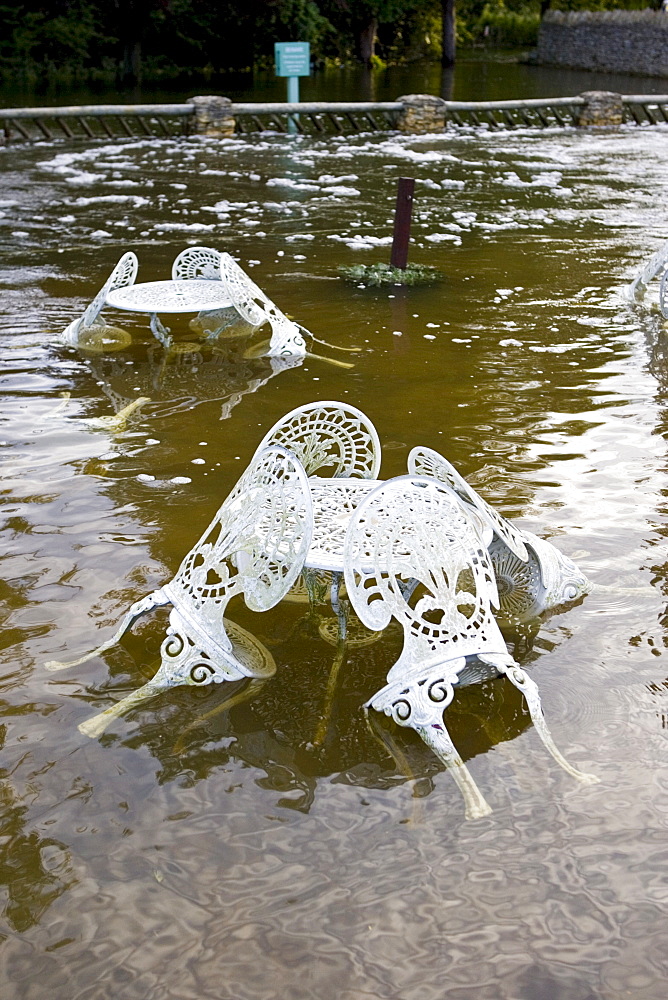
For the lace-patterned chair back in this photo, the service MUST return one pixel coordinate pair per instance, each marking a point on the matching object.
(412, 552)
(124, 273)
(657, 263)
(532, 575)
(197, 262)
(255, 546)
(257, 309)
(329, 438)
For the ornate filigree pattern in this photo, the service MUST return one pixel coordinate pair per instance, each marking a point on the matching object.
(171, 296)
(413, 529)
(657, 263)
(334, 501)
(179, 668)
(255, 546)
(532, 575)
(427, 462)
(196, 263)
(548, 578)
(257, 309)
(123, 274)
(330, 437)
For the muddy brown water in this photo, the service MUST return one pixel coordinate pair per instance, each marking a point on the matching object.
(200, 851)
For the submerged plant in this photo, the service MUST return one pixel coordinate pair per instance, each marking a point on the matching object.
(385, 274)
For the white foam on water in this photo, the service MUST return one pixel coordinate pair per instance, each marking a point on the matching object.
(109, 199)
(190, 227)
(444, 238)
(293, 185)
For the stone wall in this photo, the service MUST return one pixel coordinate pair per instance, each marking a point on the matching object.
(633, 41)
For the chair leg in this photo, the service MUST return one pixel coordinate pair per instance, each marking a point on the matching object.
(438, 739)
(529, 689)
(154, 600)
(96, 725)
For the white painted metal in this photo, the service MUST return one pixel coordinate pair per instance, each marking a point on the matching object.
(197, 263)
(257, 309)
(334, 501)
(329, 436)
(175, 296)
(427, 462)
(255, 546)
(532, 575)
(123, 274)
(654, 266)
(412, 552)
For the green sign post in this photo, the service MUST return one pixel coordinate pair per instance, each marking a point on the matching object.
(293, 59)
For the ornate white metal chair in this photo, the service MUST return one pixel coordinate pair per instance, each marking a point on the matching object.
(257, 309)
(657, 264)
(123, 274)
(329, 436)
(197, 263)
(203, 263)
(413, 529)
(255, 546)
(333, 438)
(532, 575)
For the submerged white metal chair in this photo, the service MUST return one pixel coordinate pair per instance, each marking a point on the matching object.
(255, 546)
(413, 552)
(532, 575)
(123, 274)
(657, 264)
(339, 448)
(197, 264)
(257, 309)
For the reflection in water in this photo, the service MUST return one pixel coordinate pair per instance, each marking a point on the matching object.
(273, 727)
(34, 870)
(185, 375)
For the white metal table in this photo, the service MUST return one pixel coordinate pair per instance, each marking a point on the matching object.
(173, 296)
(334, 502)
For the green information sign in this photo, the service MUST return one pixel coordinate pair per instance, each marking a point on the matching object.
(292, 58)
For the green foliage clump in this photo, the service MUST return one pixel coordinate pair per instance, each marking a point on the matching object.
(384, 274)
(511, 29)
(133, 41)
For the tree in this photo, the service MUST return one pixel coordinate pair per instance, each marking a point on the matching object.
(448, 33)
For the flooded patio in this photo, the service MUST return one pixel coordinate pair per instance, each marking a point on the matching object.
(211, 845)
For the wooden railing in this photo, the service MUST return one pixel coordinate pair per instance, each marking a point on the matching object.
(113, 121)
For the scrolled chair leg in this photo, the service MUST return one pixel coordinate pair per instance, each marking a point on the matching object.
(190, 658)
(96, 725)
(438, 739)
(521, 680)
(420, 705)
(286, 339)
(154, 600)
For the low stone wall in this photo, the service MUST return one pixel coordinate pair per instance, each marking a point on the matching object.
(618, 41)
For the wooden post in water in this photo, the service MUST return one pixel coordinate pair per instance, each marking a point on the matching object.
(402, 222)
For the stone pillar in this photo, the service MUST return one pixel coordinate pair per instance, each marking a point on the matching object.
(601, 107)
(421, 113)
(213, 116)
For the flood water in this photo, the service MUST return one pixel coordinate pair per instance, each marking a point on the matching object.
(208, 849)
